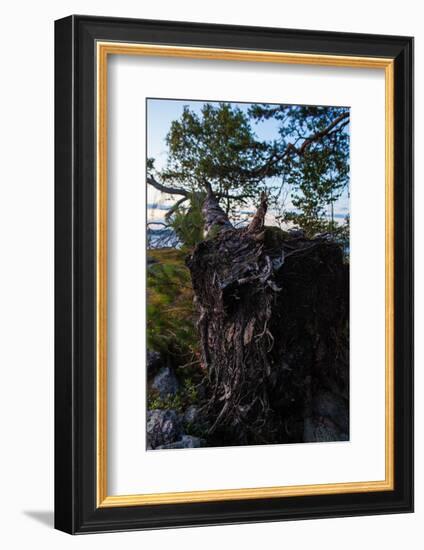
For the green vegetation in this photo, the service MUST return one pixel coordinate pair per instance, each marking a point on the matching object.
(217, 146)
(170, 310)
(311, 158)
(307, 162)
(179, 402)
(187, 221)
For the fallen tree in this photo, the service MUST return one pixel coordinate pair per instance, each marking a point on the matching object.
(273, 313)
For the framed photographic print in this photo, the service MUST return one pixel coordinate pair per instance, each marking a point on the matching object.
(233, 265)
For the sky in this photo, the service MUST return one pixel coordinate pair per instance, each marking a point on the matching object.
(160, 114)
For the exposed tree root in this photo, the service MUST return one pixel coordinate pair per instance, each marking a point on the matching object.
(273, 325)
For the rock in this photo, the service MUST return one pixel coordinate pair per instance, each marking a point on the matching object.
(334, 407)
(162, 427)
(186, 442)
(191, 415)
(154, 361)
(322, 429)
(165, 382)
(195, 422)
(329, 420)
(190, 441)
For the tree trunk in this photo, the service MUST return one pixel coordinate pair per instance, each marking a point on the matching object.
(273, 326)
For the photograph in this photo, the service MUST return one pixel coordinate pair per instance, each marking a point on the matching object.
(233, 256)
(247, 276)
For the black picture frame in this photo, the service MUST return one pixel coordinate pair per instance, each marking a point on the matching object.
(76, 508)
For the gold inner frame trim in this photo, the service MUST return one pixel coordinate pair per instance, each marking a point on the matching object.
(103, 50)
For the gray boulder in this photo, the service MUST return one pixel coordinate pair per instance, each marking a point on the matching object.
(329, 420)
(153, 361)
(186, 442)
(165, 382)
(162, 427)
(322, 429)
(334, 407)
(191, 415)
